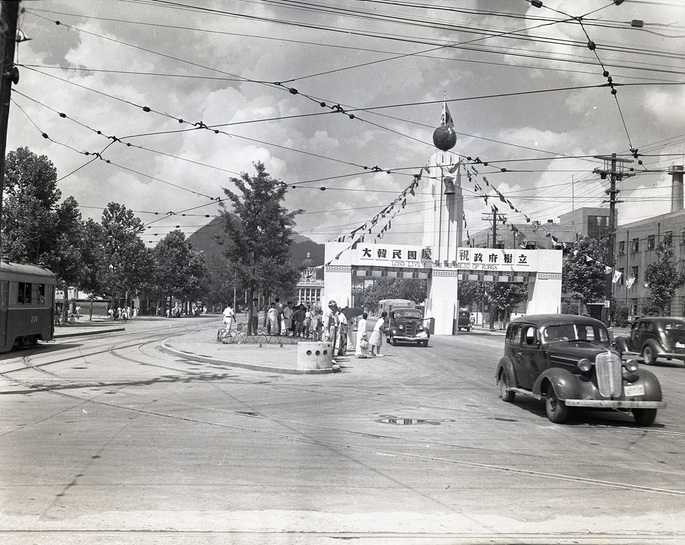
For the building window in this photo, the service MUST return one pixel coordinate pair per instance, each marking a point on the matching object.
(597, 226)
(635, 245)
(622, 277)
(635, 273)
(651, 242)
(622, 247)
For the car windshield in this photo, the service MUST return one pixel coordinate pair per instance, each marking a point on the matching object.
(575, 332)
(408, 313)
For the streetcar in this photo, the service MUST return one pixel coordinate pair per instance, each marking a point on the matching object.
(27, 305)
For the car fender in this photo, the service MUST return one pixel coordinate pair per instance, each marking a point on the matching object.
(654, 345)
(507, 367)
(650, 382)
(623, 345)
(566, 384)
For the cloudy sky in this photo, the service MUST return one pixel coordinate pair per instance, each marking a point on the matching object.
(156, 104)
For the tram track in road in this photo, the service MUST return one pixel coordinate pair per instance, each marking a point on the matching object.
(295, 430)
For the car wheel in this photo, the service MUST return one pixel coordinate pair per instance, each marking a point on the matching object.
(506, 395)
(644, 417)
(555, 407)
(648, 355)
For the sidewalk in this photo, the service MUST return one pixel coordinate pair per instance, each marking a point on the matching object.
(85, 326)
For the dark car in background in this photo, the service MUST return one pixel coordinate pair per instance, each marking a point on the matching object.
(655, 337)
(464, 320)
(407, 325)
(568, 361)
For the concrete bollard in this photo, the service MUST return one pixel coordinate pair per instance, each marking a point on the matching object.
(314, 355)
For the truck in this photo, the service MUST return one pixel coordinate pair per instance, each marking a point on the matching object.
(405, 322)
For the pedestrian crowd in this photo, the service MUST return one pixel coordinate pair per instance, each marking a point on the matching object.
(315, 324)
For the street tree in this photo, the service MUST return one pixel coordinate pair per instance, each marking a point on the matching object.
(94, 266)
(179, 270)
(37, 227)
(220, 281)
(584, 271)
(127, 264)
(29, 218)
(470, 292)
(413, 289)
(503, 298)
(662, 278)
(257, 233)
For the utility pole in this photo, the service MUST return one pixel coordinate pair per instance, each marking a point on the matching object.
(495, 217)
(9, 74)
(615, 171)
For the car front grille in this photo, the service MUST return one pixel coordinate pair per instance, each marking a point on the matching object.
(410, 329)
(609, 372)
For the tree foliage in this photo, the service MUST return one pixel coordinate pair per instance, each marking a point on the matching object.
(128, 267)
(257, 234)
(662, 278)
(29, 213)
(470, 292)
(584, 275)
(414, 289)
(179, 270)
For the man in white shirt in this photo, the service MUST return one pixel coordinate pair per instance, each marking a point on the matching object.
(229, 318)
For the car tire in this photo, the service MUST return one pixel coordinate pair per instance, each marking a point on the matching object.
(644, 417)
(648, 354)
(506, 395)
(556, 409)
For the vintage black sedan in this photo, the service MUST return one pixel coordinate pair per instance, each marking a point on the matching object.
(655, 337)
(568, 361)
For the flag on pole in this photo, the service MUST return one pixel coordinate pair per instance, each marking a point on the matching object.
(446, 117)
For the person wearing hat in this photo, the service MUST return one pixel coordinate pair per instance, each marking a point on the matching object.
(330, 323)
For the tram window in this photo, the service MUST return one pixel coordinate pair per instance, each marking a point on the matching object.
(24, 293)
(41, 294)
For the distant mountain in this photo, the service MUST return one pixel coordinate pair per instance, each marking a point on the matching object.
(206, 239)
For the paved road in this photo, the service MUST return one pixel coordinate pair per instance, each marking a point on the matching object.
(107, 439)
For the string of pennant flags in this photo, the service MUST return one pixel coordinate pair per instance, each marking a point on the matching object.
(359, 234)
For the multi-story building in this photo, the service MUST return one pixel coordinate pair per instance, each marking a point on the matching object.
(636, 245)
(593, 222)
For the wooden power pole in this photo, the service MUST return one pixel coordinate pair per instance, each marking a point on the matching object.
(614, 170)
(9, 74)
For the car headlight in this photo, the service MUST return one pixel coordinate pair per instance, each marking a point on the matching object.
(400, 327)
(631, 365)
(420, 328)
(584, 365)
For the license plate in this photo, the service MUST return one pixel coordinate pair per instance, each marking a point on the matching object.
(634, 390)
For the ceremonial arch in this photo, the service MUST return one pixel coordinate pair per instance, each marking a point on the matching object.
(439, 259)
(539, 269)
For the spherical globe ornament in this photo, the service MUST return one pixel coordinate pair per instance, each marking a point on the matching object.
(444, 138)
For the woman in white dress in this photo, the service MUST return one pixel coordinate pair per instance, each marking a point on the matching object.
(376, 338)
(362, 351)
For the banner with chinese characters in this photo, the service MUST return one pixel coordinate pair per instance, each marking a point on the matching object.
(398, 255)
(474, 259)
(493, 259)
